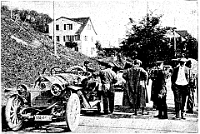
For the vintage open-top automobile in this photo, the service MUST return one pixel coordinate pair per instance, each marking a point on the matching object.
(55, 96)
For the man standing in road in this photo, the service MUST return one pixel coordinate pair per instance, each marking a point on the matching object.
(180, 80)
(136, 78)
(161, 91)
(108, 78)
(191, 88)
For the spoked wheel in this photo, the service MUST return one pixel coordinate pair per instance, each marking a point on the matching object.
(13, 118)
(73, 112)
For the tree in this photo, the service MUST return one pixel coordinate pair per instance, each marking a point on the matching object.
(190, 47)
(37, 20)
(146, 41)
(4, 8)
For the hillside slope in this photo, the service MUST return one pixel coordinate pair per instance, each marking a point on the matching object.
(25, 52)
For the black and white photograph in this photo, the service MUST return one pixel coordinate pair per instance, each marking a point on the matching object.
(99, 66)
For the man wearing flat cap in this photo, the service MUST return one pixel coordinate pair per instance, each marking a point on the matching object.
(180, 79)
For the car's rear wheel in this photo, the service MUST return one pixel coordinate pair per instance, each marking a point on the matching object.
(73, 112)
(12, 109)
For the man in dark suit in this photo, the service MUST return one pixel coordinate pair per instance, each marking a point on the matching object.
(180, 80)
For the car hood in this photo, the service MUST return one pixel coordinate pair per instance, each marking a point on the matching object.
(62, 78)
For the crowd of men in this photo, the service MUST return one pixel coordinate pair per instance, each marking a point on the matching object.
(135, 87)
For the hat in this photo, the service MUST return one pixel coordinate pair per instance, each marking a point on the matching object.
(111, 64)
(176, 59)
(137, 62)
(183, 59)
(86, 62)
(159, 61)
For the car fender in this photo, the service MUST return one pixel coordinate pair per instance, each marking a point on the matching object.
(55, 80)
(76, 88)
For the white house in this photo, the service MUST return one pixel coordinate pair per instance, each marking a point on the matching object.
(79, 30)
(181, 34)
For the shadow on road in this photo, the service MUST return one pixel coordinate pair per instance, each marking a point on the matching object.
(119, 112)
(127, 112)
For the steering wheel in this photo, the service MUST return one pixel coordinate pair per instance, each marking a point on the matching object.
(55, 70)
(80, 71)
(76, 68)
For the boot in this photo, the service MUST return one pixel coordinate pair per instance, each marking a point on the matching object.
(135, 111)
(157, 114)
(178, 114)
(183, 115)
(143, 111)
(165, 115)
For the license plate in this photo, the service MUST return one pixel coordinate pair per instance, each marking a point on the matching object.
(43, 118)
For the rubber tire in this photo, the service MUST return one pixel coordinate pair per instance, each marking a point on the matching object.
(73, 112)
(10, 105)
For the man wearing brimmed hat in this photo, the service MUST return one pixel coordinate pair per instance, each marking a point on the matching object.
(159, 90)
(86, 66)
(155, 85)
(180, 79)
(108, 78)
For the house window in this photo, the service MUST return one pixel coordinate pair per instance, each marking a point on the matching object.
(92, 50)
(89, 27)
(57, 38)
(69, 26)
(64, 38)
(77, 37)
(67, 36)
(70, 37)
(85, 38)
(65, 26)
(57, 27)
(76, 48)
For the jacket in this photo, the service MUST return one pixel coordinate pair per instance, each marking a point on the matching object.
(175, 74)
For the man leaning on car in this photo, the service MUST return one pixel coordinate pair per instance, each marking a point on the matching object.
(108, 78)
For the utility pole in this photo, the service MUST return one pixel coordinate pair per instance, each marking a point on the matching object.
(174, 42)
(11, 12)
(54, 40)
(174, 38)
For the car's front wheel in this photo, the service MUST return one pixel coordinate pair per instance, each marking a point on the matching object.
(12, 109)
(73, 112)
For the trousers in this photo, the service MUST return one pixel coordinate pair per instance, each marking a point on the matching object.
(108, 98)
(180, 94)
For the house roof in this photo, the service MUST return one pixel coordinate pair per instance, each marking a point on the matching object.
(81, 20)
(182, 33)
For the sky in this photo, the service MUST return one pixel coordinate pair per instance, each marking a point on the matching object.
(111, 17)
